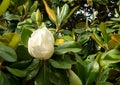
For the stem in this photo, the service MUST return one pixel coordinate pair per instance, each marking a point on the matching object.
(100, 74)
(1, 61)
(44, 72)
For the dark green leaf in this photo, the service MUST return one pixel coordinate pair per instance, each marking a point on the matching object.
(21, 64)
(16, 72)
(62, 64)
(32, 69)
(43, 77)
(7, 53)
(22, 53)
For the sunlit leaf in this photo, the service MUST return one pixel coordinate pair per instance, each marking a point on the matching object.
(103, 30)
(92, 72)
(50, 12)
(25, 35)
(64, 12)
(112, 56)
(3, 6)
(59, 41)
(11, 39)
(116, 38)
(70, 46)
(97, 39)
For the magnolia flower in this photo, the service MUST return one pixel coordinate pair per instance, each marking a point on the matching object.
(41, 44)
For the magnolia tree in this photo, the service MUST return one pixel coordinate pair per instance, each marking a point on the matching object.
(59, 42)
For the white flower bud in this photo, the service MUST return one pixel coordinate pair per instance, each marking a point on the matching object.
(41, 44)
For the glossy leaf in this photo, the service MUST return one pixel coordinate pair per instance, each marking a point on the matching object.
(97, 39)
(70, 46)
(25, 35)
(7, 53)
(11, 17)
(92, 73)
(112, 56)
(103, 31)
(17, 72)
(32, 69)
(62, 64)
(64, 12)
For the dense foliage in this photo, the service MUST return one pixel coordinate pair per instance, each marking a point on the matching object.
(87, 42)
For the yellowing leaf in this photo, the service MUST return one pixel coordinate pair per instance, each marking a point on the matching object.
(59, 41)
(12, 39)
(116, 37)
(90, 2)
(115, 40)
(112, 44)
(4, 5)
(49, 11)
(97, 40)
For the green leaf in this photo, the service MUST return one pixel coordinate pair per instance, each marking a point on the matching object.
(104, 83)
(16, 72)
(21, 64)
(7, 53)
(7, 79)
(34, 7)
(2, 78)
(64, 12)
(26, 24)
(43, 77)
(112, 56)
(26, 33)
(62, 64)
(104, 2)
(22, 53)
(69, 46)
(84, 38)
(32, 69)
(92, 72)
(104, 33)
(8, 16)
(98, 39)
